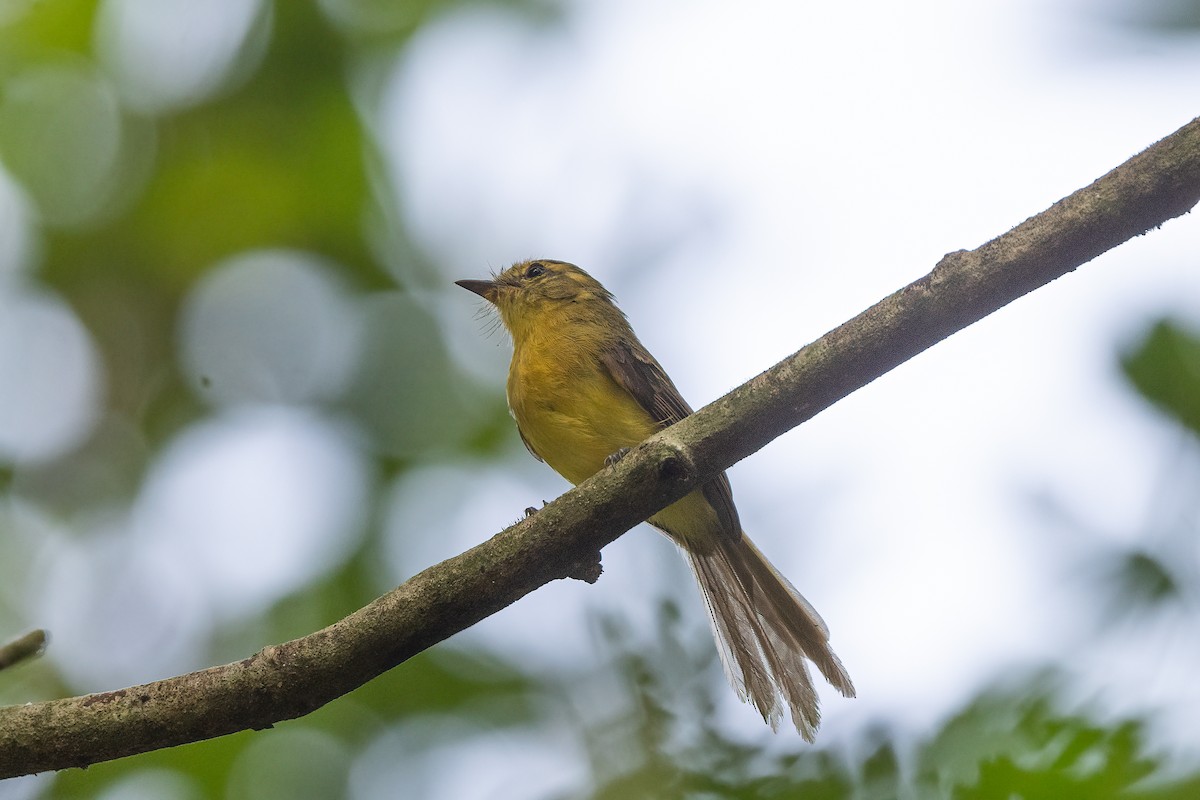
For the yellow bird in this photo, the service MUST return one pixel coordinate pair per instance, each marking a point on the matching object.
(583, 388)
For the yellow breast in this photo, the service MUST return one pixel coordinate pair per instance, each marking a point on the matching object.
(567, 406)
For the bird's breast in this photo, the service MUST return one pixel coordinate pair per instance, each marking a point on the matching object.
(570, 410)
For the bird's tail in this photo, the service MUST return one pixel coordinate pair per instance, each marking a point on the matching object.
(765, 630)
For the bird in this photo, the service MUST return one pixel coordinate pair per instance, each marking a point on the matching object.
(583, 390)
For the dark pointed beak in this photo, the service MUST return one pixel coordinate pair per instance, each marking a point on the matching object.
(485, 289)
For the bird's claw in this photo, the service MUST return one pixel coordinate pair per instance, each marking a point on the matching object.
(617, 456)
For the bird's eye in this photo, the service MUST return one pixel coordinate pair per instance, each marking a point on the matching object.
(535, 269)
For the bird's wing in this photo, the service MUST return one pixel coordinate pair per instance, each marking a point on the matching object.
(637, 372)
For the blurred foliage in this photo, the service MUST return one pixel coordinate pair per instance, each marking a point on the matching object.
(280, 157)
(1143, 578)
(1016, 740)
(1170, 17)
(1165, 369)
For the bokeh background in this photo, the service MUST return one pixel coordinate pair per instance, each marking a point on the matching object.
(240, 395)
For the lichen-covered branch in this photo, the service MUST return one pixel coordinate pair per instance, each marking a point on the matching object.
(291, 679)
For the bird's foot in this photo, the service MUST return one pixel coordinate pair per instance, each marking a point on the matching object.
(617, 456)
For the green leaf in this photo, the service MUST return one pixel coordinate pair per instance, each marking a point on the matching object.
(1165, 369)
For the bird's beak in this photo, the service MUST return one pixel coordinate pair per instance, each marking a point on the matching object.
(485, 289)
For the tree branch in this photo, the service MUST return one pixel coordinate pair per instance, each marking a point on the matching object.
(288, 680)
(23, 647)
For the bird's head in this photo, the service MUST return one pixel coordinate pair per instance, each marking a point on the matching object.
(528, 291)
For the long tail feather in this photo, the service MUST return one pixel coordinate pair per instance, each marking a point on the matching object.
(766, 631)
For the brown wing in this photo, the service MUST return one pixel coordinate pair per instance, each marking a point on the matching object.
(638, 373)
